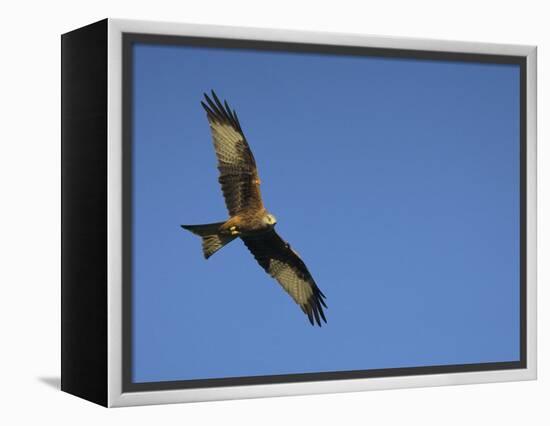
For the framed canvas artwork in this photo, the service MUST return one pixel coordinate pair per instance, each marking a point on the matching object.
(251, 212)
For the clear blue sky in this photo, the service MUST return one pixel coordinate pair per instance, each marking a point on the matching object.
(396, 180)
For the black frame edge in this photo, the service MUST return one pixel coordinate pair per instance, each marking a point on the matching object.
(84, 212)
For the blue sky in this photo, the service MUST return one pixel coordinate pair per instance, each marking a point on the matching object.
(397, 180)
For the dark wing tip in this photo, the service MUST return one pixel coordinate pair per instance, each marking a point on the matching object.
(213, 108)
(320, 309)
(314, 307)
(310, 316)
(209, 112)
(216, 99)
(316, 313)
(219, 111)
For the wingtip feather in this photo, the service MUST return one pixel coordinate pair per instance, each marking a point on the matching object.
(310, 317)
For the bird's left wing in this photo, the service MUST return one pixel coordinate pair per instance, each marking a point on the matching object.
(238, 174)
(281, 262)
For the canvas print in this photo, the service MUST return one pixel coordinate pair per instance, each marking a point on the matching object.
(299, 213)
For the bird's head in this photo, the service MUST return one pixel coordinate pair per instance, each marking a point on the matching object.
(270, 220)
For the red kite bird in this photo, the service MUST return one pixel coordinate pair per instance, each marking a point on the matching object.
(248, 218)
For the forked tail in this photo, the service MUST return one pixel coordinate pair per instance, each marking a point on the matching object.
(212, 239)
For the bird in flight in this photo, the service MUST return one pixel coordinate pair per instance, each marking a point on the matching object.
(248, 218)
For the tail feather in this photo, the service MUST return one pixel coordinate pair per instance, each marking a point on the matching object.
(212, 240)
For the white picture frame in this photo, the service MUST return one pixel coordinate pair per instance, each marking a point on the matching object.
(111, 387)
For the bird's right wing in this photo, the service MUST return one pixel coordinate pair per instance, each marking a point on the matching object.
(282, 263)
(238, 174)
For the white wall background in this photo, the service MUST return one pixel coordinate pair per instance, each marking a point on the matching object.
(30, 194)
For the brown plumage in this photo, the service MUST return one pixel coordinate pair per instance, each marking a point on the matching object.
(249, 220)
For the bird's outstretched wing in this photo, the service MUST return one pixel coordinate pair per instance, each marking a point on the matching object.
(282, 263)
(238, 174)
